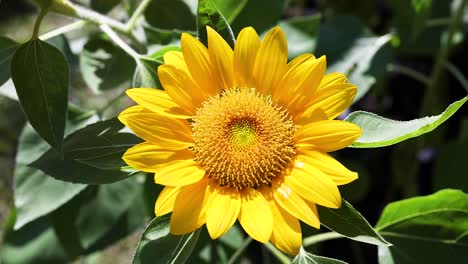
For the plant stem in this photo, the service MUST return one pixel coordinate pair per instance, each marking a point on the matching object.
(278, 254)
(408, 72)
(61, 30)
(239, 251)
(111, 33)
(37, 25)
(457, 74)
(320, 238)
(134, 18)
(95, 17)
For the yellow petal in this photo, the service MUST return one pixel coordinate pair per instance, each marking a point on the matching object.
(297, 88)
(295, 205)
(312, 185)
(300, 60)
(286, 234)
(255, 216)
(271, 61)
(221, 57)
(162, 131)
(149, 157)
(166, 200)
(198, 61)
(328, 135)
(333, 100)
(175, 58)
(245, 52)
(157, 101)
(332, 78)
(179, 173)
(223, 207)
(181, 88)
(189, 213)
(328, 165)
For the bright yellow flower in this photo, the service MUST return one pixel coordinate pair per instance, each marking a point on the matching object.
(243, 135)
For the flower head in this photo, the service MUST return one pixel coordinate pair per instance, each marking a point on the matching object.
(243, 135)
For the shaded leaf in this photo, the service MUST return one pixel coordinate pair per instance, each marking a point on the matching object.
(209, 15)
(426, 229)
(307, 258)
(250, 16)
(40, 74)
(7, 49)
(104, 65)
(170, 15)
(92, 155)
(104, 6)
(350, 223)
(379, 131)
(352, 49)
(301, 33)
(157, 244)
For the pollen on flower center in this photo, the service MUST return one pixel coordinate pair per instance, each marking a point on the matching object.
(242, 139)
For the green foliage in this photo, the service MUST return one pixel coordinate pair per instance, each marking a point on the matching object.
(157, 243)
(7, 49)
(170, 15)
(378, 131)
(209, 15)
(350, 223)
(40, 74)
(306, 258)
(428, 229)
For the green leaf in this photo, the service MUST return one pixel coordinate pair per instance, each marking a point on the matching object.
(259, 14)
(307, 258)
(220, 250)
(301, 33)
(209, 15)
(104, 6)
(378, 131)
(40, 74)
(92, 155)
(36, 193)
(230, 8)
(158, 245)
(146, 74)
(7, 49)
(34, 243)
(426, 229)
(103, 65)
(352, 49)
(350, 223)
(170, 15)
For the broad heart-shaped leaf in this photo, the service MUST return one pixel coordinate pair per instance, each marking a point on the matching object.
(40, 74)
(427, 229)
(301, 33)
(209, 15)
(352, 49)
(379, 131)
(92, 155)
(157, 245)
(170, 15)
(230, 8)
(36, 193)
(103, 65)
(7, 49)
(348, 222)
(305, 257)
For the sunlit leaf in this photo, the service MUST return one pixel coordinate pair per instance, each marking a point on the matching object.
(158, 245)
(40, 74)
(426, 229)
(209, 15)
(350, 223)
(230, 8)
(305, 257)
(379, 131)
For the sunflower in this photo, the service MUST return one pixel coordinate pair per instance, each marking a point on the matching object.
(243, 135)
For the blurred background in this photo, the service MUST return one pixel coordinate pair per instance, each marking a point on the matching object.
(389, 49)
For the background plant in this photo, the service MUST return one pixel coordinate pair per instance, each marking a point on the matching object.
(73, 197)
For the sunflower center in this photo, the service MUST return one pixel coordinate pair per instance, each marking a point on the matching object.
(242, 140)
